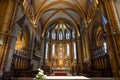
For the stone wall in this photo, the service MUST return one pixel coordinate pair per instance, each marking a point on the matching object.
(117, 4)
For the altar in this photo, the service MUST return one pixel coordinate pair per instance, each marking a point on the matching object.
(61, 71)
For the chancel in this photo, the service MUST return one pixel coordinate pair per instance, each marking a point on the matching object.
(67, 39)
(60, 51)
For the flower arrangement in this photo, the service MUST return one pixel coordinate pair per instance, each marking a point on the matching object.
(40, 75)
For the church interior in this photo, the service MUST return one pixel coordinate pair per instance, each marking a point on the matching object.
(62, 37)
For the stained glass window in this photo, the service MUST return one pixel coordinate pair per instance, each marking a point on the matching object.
(75, 55)
(53, 35)
(46, 51)
(48, 34)
(53, 49)
(60, 35)
(105, 47)
(67, 35)
(68, 50)
(73, 34)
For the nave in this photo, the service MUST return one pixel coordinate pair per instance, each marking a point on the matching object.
(69, 38)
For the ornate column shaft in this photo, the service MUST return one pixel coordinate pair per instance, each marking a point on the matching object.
(10, 49)
(51, 62)
(42, 50)
(72, 55)
(82, 50)
(112, 13)
(113, 30)
(50, 50)
(5, 30)
(87, 45)
(79, 54)
(83, 47)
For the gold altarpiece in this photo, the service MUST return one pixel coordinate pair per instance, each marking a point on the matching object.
(61, 59)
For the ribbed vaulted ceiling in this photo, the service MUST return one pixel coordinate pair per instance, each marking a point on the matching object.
(51, 11)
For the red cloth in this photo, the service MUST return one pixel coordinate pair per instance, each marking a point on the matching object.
(60, 74)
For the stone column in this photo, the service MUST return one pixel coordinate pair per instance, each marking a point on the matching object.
(113, 36)
(71, 56)
(87, 53)
(87, 45)
(50, 52)
(83, 47)
(32, 45)
(10, 49)
(79, 55)
(4, 30)
(42, 50)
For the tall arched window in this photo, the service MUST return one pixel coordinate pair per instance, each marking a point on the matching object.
(53, 49)
(75, 53)
(46, 51)
(53, 35)
(105, 47)
(48, 34)
(73, 34)
(60, 35)
(67, 35)
(68, 50)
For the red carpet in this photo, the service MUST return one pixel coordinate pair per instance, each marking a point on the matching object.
(60, 74)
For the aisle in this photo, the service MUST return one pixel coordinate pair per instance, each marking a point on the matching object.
(66, 77)
(56, 78)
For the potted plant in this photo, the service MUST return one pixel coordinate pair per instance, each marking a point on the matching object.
(40, 75)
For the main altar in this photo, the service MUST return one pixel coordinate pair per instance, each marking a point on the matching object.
(61, 71)
(61, 60)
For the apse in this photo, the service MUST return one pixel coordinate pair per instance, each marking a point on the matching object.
(60, 47)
